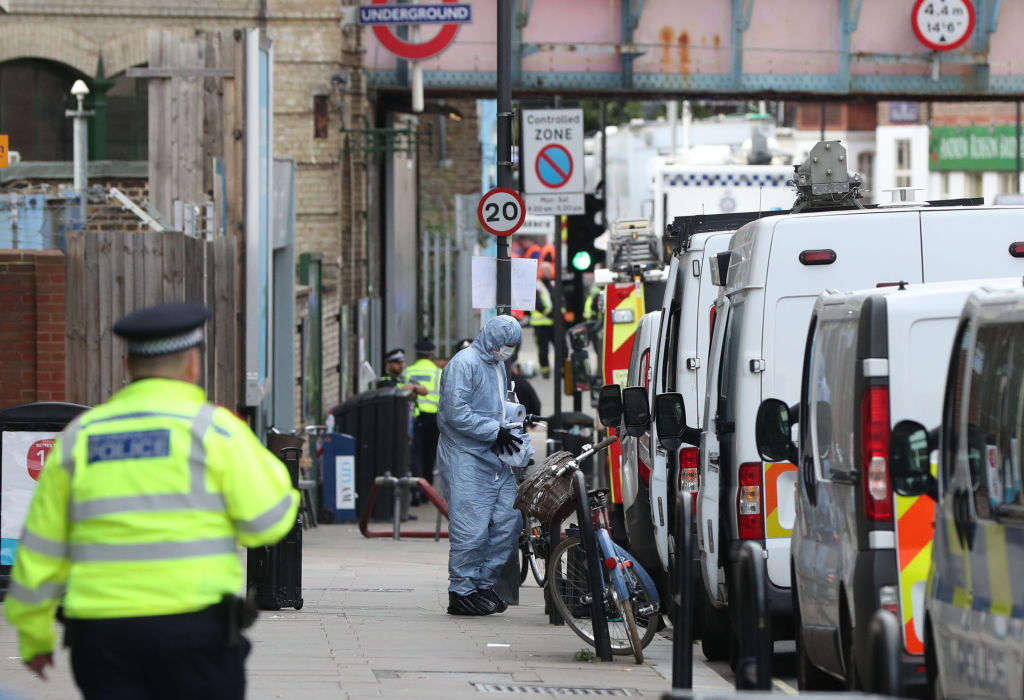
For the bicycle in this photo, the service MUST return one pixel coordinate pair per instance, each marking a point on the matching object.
(534, 550)
(629, 599)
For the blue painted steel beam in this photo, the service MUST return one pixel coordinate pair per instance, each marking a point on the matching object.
(826, 85)
(740, 24)
(849, 17)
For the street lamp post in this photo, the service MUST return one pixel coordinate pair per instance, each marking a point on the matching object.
(81, 146)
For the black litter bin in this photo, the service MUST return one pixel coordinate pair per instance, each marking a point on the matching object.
(570, 431)
(381, 423)
(274, 572)
(26, 435)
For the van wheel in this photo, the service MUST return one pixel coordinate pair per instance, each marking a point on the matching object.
(715, 628)
(808, 676)
(933, 684)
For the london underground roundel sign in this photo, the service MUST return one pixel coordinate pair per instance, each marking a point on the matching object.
(410, 51)
(942, 25)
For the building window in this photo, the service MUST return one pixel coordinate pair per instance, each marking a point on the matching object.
(865, 163)
(128, 119)
(903, 172)
(33, 97)
(320, 116)
(972, 184)
(1007, 183)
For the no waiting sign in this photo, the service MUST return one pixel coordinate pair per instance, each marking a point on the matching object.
(553, 160)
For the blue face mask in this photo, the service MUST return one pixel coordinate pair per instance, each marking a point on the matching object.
(504, 352)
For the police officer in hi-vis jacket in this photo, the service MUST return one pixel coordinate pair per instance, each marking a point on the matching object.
(135, 528)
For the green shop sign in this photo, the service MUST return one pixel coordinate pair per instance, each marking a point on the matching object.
(973, 148)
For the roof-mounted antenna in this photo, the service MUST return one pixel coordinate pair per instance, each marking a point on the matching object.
(823, 180)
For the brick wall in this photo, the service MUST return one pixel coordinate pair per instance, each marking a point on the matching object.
(31, 326)
(455, 171)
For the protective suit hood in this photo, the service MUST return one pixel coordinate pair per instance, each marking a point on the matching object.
(498, 331)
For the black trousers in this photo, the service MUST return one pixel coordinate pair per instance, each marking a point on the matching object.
(545, 336)
(425, 435)
(165, 656)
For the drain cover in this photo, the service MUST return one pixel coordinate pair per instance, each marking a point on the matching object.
(550, 690)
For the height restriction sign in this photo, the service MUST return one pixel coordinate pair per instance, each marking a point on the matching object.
(552, 160)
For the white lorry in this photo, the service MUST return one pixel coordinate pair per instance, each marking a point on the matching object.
(681, 189)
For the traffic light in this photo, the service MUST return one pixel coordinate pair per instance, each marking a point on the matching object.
(581, 231)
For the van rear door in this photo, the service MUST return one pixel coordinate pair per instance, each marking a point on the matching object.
(970, 243)
(809, 255)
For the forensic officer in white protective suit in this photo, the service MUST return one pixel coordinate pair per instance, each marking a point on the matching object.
(474, 458)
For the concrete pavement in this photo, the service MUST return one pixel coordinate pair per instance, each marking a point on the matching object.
(373, 625)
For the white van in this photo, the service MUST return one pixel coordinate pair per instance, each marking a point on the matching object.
(638, 510)
(974, 610)
(872, 359)
(775, 269)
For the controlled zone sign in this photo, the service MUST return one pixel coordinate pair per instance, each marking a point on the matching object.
(942, 25)
(501, 211)
(381, 16)
(553, 160)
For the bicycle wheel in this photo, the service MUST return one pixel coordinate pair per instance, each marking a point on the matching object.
(539, 550)
(570, 592)
(629, 621)
(525, 559)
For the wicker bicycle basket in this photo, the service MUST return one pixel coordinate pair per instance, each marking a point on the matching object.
(544, 496)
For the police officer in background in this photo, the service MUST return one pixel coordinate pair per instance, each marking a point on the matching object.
(395, 374)
(136, 523)
(425, 373)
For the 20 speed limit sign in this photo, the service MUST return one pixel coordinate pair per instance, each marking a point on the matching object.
(501, 211)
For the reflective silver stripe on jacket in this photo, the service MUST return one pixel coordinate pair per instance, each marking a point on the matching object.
(48, 590)
(268, 518)
(148, 551)
(67, 446)
(197, 497)
(43, 545)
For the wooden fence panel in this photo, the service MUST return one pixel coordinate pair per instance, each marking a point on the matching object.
(110, 274)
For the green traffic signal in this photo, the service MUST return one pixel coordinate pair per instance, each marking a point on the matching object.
(581, 260)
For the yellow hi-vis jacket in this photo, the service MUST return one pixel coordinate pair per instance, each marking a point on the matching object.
(140, 509)
(541, 314)
(425, 373)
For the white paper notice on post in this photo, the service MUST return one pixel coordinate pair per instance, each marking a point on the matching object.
(485, 283)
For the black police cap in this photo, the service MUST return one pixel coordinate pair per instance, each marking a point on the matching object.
(396, 355)
(425, 345)
(163, 329)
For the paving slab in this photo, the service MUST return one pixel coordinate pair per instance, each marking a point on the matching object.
(373, 625)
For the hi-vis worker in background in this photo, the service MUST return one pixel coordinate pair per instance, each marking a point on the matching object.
(542, 319)
(425, 373)
(136, 523)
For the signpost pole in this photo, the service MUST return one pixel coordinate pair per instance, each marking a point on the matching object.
(505, 174)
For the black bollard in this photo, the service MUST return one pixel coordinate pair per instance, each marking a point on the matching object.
(682, 596)
(602, 642)
(754, 668)
(884, 676)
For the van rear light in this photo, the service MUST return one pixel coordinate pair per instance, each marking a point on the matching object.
(689, 473)
(643, 470)
(874, 427)
(748, 502)
(818, 257)
(1017, 250)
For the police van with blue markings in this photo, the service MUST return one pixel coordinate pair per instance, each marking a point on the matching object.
(974, 609)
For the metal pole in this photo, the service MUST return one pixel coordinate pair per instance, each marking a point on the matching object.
(80, 146)
(435, 248)
(1017, 189)
(682, 622)
(505, 174)
(449, 298)
(822, 121)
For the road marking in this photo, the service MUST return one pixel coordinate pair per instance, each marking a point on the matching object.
(784, 687)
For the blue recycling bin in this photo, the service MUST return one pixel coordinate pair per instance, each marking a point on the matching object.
(339, 472)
